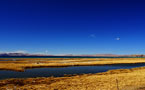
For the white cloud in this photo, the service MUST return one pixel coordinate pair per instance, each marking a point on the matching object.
(46, 51)
(118, 38)
(18, 51)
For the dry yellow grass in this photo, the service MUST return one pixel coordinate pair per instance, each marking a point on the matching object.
(19, 64)
(128, 79)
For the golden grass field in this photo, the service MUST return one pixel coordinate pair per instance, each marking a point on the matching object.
(128, 79)
(121, 79)
(20, 64)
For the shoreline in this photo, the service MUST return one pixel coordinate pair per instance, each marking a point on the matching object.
(22, 64)
(127, 79)
(33, 67)
(124, 76)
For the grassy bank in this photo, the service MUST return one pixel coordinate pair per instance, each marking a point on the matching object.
(122, 79)
(20, 64)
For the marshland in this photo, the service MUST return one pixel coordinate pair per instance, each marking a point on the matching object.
(88, 73)
(20, 64)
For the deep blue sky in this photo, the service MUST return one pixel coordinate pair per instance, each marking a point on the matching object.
(73, 26)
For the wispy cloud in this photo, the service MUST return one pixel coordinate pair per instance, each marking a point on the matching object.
(42, 52)
(20, 51)
(92, 35)
(17, 51)
(118, 38)
(46, 51)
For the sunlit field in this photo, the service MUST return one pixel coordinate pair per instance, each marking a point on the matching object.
(121, 79)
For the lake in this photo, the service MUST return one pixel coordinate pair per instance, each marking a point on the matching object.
(58, 72)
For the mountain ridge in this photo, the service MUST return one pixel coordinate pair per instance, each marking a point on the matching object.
(87, 55)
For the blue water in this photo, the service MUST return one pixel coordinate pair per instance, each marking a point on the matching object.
(58, 72)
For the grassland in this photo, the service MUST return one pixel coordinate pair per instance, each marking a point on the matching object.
(20, 64)
(121, 79)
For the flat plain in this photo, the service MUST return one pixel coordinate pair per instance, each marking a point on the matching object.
(121, 79)
(20, 64)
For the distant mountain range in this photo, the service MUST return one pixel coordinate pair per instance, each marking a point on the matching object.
(94, 55)
(21, 54)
